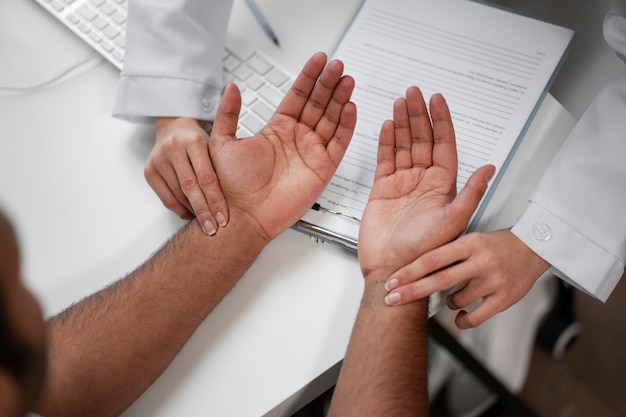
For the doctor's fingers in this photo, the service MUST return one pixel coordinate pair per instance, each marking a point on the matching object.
(438, 259)
(419, 288)
(159, 183)
(488, 307)
(200, 186)
(210, 204)
(495, 294)
(172, 177)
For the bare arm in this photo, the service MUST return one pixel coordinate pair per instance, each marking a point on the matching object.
(107, 349)
(384, 371)
(413, 207)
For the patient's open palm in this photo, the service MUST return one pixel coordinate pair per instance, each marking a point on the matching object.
(413, 204)
(276, 175)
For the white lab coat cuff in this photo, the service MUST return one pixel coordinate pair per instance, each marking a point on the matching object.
(574, 258)
(142, 98)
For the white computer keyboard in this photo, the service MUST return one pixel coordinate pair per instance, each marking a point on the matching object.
(262, 83)
(102, 24)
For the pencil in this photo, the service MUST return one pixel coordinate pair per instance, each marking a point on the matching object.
(262, 20)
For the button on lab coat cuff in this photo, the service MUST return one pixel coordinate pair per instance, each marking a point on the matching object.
(573, 257)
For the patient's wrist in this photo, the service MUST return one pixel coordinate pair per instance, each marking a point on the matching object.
(374, 291)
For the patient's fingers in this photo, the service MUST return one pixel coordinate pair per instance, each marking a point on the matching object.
(386, 159)
(329, 121)
(338, 143)
(420, 127)
(321, 95)
(294, 101)
(402, 133)
(444, 146)
(227, 117)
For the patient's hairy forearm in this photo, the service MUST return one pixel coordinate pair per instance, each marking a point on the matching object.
(384, 372)
(106, 350)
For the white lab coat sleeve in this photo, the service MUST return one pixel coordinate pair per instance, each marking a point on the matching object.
(173, 64)
(576, 219)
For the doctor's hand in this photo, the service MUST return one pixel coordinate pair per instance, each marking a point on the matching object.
(496, 266)
(413, 206)
(180, 171)
(274, 177)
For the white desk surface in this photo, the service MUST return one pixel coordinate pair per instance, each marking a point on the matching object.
(71, 179)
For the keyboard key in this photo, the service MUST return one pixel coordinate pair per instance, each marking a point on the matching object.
(255, 82)
(277, 77)
(252, 123)
(247, 97)
(263, 110)
(100, 23)
(119, 18)
(95, 37)
(231, 63)
(271, 95)
(87, 12)
(260, 65)
(84, 28)
(107, 46)
(111, 32)
(107, 9)
(118, 55)
(242, 73)
(72, 18)
(58, 6)
(242, 132)
(120, 41)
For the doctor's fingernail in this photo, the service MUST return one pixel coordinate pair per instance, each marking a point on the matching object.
(209, 228)
(221, 219)
(391, 284)
(392, 298)
(451, 304)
